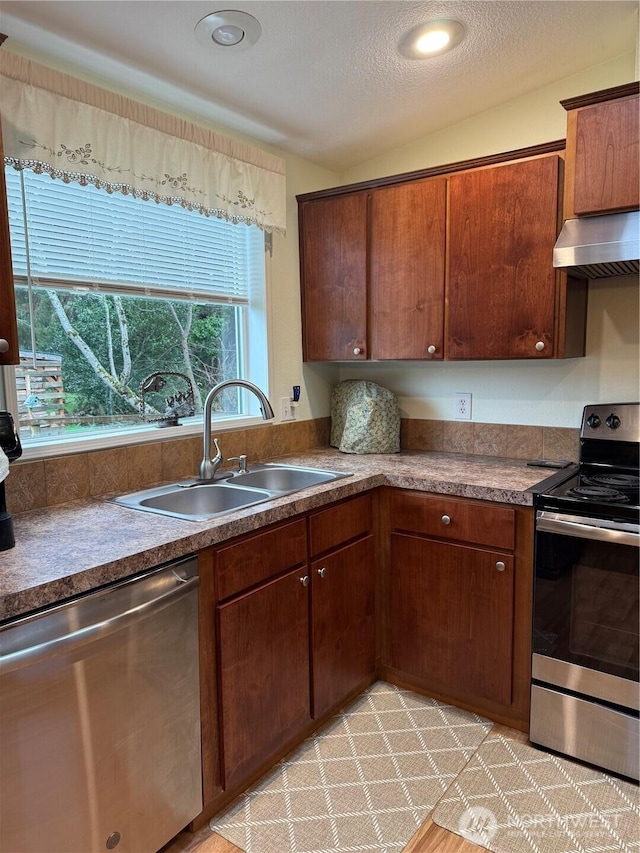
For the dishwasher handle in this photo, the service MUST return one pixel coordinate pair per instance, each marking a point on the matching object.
(96, 631)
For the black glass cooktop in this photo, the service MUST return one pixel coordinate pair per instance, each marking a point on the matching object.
(603, 493)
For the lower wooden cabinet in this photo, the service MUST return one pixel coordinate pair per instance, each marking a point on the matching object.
(264, 673)
(429, 592)
(452, 616)
(458, 579)
(342, 624)
(291, 631)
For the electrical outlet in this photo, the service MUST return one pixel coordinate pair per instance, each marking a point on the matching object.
(287, 412)
(463, 406)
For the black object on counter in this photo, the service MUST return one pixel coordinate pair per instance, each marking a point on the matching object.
(549, 463)
(10, 443)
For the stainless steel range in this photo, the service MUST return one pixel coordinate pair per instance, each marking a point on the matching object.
(584, 694)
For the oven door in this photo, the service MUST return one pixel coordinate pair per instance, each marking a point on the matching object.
(585, 639)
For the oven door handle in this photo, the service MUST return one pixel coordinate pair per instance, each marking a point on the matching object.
(582, 529)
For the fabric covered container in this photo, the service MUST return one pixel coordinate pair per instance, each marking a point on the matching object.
(365, 418)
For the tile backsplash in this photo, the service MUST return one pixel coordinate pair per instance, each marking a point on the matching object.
(56, 480)
(47, 482)
(510, 440)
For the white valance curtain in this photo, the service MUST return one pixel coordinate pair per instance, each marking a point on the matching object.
(75, 131)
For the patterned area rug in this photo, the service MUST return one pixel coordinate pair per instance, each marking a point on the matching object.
(365, 782)
(512, 798)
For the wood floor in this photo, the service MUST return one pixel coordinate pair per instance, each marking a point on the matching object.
(430, 838)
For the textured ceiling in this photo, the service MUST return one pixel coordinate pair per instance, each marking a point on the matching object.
(325, 80)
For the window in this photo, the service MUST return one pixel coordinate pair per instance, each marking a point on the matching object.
(112, 289)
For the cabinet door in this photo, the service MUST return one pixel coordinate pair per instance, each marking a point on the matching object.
(263, 647)
(8, 327)
(501, 288)
(606, 158)
(342, 624)
(481, 587)
(452, 617)
(333, 251)
(407, 270)
(419, 609)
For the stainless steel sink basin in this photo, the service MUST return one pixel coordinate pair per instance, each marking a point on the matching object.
(202, 501)
(196, 503)
(284, 479)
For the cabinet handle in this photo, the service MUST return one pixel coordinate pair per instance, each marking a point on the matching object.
(322, 572)
(540, 346)
(357, 350)
(305, 580)
(445, 519)
(500, 566)
(4, 345)
(431, 349)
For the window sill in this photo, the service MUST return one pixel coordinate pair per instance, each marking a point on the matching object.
(43, 449)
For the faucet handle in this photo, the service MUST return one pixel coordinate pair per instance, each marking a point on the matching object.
(209, 466)
(242, 462)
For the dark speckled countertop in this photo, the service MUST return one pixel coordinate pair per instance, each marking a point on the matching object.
(75, 547)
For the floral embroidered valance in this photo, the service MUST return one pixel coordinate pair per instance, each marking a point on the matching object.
(74, 131)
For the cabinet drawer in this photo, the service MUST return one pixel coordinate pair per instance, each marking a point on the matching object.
(453, 518)
(260, 557)
(341, 523)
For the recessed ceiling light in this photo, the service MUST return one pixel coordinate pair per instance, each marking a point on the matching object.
(431, 39)
(228, 30)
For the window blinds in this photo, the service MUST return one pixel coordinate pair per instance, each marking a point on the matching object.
(81, 236)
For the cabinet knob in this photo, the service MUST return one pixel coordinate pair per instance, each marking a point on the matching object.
(445, 519)
(357, 350)
(431, 349)
(500, 566)
(322, 572)
(4, 345)
(305, 580)
(540, 346)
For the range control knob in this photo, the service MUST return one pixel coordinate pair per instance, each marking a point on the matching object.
(593, 421)
(613, 421)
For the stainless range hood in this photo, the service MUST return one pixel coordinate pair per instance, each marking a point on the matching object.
(599, 246)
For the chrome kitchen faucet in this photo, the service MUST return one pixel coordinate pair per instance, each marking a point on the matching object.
(209, 466)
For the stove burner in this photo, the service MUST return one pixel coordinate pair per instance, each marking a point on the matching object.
(597, 493)
(621, 481)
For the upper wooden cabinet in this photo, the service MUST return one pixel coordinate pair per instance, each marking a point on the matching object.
(407, 270)
(454, 262)
(373, 273)
(602, 152)
(333, 257)
(503, 224)
(8, 328)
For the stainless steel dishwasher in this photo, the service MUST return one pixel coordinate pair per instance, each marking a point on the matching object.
(100, 719)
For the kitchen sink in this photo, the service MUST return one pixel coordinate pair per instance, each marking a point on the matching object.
(285, 479)
(196, 503)
(199, 501)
